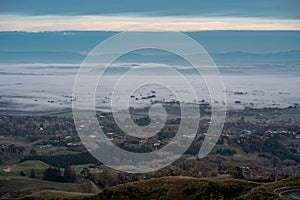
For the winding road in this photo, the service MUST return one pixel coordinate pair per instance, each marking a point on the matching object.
(291, 194)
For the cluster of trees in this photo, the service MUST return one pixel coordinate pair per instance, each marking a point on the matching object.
(182, 167)
(11, 148)
(214, 190)
(11, 152)
(55, 174)
(142, 121)
(271, 146)
(133, 192)
(226, 152)
(251, 144)
(62, 161)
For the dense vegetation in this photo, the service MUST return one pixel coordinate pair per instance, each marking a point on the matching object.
(62, 161)
(191, 188)
(261, 148)
(54, 174)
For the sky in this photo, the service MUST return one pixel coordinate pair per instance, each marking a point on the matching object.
(120, 15)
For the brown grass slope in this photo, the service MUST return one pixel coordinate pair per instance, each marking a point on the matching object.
(182, 188)
(34, 188)
(195, 188)
(167, 188)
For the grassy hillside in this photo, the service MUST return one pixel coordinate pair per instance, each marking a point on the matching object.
(14, 170)
(54, 194)
(273, 189)
(12, 184)
(170, 188)
(160, 188)
(196, 188)
(22, 186)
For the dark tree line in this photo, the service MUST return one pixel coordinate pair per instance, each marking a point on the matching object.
(225, 152)
(55, 174)
(62, 161)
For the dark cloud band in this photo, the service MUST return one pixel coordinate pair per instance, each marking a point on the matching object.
(287, 9)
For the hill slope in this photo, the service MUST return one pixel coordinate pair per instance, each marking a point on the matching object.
(197, 188)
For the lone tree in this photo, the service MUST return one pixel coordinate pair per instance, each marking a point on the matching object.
(22, 173)
(69, 175)
(32, 173)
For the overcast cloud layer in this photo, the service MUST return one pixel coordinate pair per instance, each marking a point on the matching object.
(118, 15)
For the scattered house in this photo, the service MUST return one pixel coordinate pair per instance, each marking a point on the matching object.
(54, 141)
(7, 169)
(278, 130)
(68, 137)
(72, 144)
(156, 144)
(247, 132)
(143, 140)
(45, 146)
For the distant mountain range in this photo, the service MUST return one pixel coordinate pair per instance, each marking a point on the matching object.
(237, 58)
(232, 51)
